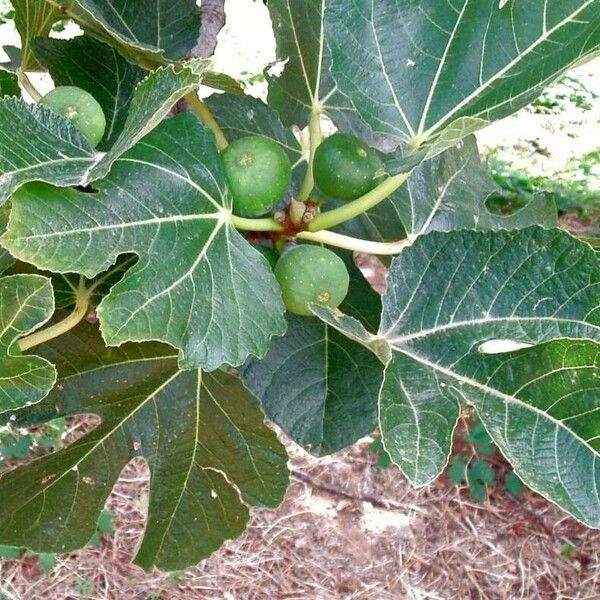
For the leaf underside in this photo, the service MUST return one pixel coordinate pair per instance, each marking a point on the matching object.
(52, 149)
(165, 29)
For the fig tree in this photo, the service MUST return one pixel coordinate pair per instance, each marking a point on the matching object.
(258, 172)
(345, 167)
(311, 275)
(81, 108)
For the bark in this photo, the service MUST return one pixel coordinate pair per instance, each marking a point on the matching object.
(213, 20)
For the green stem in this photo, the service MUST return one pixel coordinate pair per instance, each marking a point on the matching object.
(58, 329)
(28, 86)
(316, 137)
(348, 211)
(356, 245)
(204, 114)
(98, 282)
(266, 224)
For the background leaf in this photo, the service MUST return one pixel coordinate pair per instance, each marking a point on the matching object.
(421, 66)
(97, 68)
(162, 30)
(9, 84)
(198, 285)
(33, 19)
(202, 435)
(319, 386)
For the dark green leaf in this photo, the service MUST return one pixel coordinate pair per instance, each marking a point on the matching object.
(14, 58)
(306, 84)
(439, 69)
(482, 471)
(157, 31)
(97, 68)
(477, 489)
(480, 438)
(384, 461)
(319, 386)
(457, 472)
(202, 435)
(198, 284)
(9, 84)
(513, 484)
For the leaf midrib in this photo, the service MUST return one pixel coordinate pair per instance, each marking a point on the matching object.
(396, 342)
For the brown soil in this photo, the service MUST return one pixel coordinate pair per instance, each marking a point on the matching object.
(347, 530)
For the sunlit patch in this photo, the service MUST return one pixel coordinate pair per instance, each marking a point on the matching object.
(501, 346)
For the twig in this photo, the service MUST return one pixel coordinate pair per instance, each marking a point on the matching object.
(336, 491)
(213, 20)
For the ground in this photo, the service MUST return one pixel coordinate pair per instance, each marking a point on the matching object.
(349, 529)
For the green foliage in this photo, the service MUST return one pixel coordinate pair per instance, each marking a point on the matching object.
(193, 346)
(477, 471)
(16, 445)
(47, 561)
(568, 90)
(9, 552)
(85, 587)
(480, 438)
(383, 458)
(571, 190)
(513, 484)
(568, 551)
(7, 12)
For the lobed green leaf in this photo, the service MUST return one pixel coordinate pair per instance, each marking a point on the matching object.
(202, 435)
(440, 70)
(450, 293)
(198, 285)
